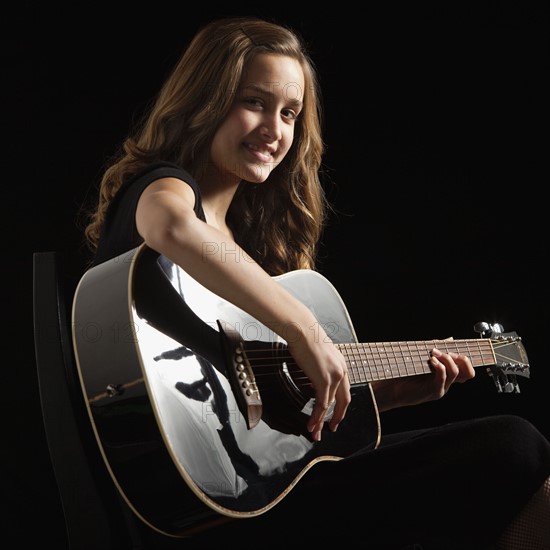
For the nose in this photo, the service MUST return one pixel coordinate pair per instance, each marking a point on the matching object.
(271, 127)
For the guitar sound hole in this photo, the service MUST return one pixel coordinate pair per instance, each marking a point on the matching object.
(298, 381)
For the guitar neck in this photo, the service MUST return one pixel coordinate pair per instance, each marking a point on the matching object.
(384, 360)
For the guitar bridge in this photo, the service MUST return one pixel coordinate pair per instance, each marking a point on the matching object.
(241, 376)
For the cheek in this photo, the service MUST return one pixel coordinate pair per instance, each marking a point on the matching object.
(229, 133)
(244, 122)
(232, 125)
(240, 122)
(288, 138)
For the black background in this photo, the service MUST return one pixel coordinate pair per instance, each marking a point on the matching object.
(436, 163)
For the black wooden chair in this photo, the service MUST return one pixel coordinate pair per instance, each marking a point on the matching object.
(96, 518)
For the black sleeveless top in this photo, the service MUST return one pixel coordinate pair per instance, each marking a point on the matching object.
(119, 233)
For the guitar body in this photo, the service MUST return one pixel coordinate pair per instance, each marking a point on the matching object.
(155, 372)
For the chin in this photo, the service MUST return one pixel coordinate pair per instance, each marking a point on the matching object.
(257, 173)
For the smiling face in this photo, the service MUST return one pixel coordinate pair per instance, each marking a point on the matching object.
(259, 128)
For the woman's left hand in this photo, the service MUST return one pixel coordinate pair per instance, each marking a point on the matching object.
(447, 368)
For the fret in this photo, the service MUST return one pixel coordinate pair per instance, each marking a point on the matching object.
(368, 362)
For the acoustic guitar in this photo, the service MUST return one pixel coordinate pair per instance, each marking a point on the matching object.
(199, 410)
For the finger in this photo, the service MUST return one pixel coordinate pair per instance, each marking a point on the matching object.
(466, 370)
(451, 370)
(322, 406)
(439, 377)
(318, 413)
(343, 399)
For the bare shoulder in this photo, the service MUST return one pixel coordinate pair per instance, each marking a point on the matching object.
(169, 186)
(164, 200)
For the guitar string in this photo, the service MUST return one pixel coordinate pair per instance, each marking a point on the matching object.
(378, 355)
(359, 362)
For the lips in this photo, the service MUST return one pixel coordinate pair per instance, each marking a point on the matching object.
(262, 152)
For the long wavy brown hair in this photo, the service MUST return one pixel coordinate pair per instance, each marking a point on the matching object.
(279, 223)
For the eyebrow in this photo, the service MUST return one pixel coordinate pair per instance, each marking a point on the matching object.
(268, 90)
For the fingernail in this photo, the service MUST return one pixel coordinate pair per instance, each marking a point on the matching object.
(436, 352)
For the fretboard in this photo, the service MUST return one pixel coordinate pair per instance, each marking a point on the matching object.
(383, 360)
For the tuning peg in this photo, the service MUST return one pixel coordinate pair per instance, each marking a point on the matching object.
(505, 383)
(485, 329)
(482, 328)
(510, 386)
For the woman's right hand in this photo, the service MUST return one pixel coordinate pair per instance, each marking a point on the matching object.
(326, 368)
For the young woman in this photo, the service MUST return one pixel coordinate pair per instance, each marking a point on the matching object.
(229, 156)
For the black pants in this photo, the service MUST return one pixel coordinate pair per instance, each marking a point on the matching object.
(447, 488)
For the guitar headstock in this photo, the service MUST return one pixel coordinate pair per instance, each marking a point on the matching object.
(510, 357)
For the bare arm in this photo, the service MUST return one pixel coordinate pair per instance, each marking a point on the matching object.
(167, 222)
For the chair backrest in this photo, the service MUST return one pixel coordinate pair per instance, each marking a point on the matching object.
(94, 513)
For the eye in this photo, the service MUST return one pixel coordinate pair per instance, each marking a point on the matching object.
(290, 114)
(254, 102)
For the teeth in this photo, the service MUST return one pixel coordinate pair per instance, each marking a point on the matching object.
(256, 148)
